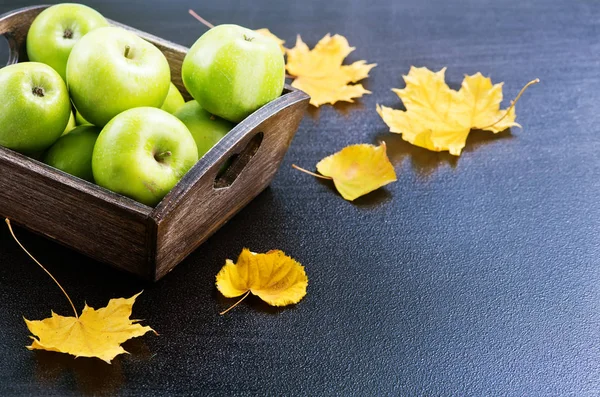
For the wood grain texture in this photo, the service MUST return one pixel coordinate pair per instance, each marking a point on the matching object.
(14, 26)
(127, 234)
(72, 212)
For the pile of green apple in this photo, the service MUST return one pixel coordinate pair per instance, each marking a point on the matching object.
(135, 135)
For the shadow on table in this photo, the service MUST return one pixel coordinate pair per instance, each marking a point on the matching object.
(425, 162)
(92, 376)
(343, 108)
(369, 200)
(251, 303)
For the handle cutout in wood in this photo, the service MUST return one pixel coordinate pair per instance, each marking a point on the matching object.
(236, 163)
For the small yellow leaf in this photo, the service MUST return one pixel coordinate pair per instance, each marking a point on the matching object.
(96, 333)
(439, 118)
(267, 33)
(358, 169)
(274, 277)
(320, 73)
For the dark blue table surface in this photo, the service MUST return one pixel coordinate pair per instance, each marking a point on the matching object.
(474, 276)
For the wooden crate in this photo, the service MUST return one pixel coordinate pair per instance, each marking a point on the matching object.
(114, 229)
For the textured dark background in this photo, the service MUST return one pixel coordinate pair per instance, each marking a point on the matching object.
(473, 276)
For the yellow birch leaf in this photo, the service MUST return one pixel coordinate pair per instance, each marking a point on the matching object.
(320, 73)
(274, 277)
(358, 169)
(439, 118)
(96, 333)
(267, 33)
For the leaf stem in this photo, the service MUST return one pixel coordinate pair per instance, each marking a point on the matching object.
(512, 105)
(40, 265)
(202, 20)
(236, 303)
(311, 173)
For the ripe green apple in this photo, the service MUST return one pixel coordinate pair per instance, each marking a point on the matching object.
(206, 129)
(111, 70)
(173, 101)
(55, 31)
(142, 153)
(79, 120)
(35, 106)
(72, 153)
(232, 71)
(70, 124)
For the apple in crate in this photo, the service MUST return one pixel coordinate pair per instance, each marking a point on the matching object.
(35, 107)
(142, 153)
(72, 153)
(111, 70)
(206, 129)
(79, 120)
(70, 125)
(55, 31)
(232, 71)
(173, 101)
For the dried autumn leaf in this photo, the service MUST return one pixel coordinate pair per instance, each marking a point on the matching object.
(439, 118)
(274, 277)
(358, 169)
(96, 333)
(320, 72)
(267, 33)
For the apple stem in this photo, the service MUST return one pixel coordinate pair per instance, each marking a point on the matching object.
(160, 157)
(127, 49)
(202, 20)
(42, 266)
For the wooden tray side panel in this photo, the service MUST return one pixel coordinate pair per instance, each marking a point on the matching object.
(186, 224)
(15, 26)
(40, 199)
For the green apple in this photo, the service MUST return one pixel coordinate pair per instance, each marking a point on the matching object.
(111, 70)
(35, 106)
(72, 153)
(232, 71)
(55, 31)
(173, 101)
(206, 129)
(142, 153)
(70, 124)
(79, 120)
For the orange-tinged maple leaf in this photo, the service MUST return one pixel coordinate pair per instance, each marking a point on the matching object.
(95, 333)
(274, 277)
(267, 33)
(320, 73)
(439, 118)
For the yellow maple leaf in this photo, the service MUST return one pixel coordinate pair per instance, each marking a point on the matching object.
(96, 333)
(439, 118)
(356, 170)
(320, 72)
(267, 33)
(274, 277)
